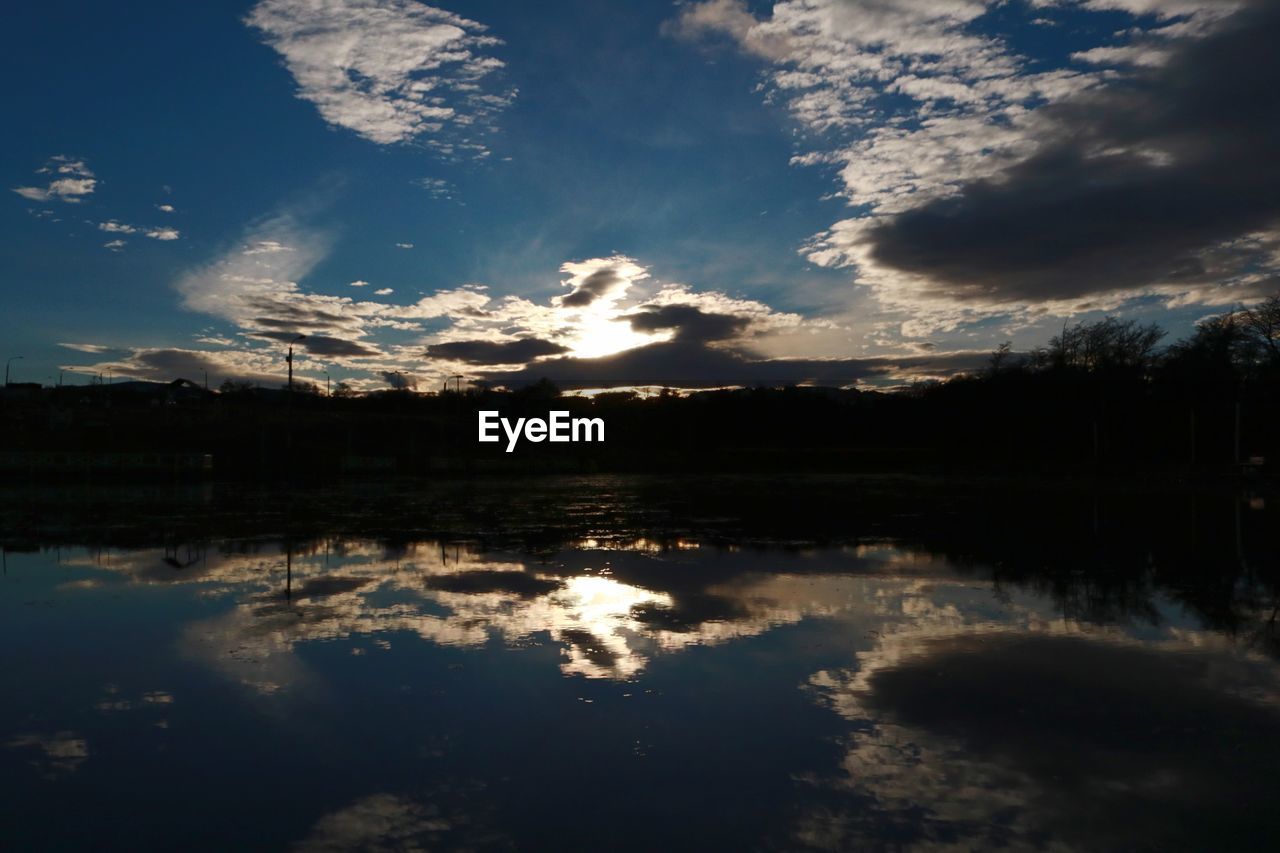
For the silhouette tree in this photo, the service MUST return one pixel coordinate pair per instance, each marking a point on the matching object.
(1108, 344)
(1262, 322)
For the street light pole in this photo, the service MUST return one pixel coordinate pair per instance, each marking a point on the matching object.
(12, 359)
(326, 385)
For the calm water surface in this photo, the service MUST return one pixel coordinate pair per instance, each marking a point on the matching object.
(638, 664)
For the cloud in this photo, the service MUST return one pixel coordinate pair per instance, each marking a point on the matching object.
(705, 20)
(164, 364)
(59, 754)
(392, 71)
(1036, 721)
(1150, 185)
(932, 121)
(359, 284)
(112, 226)
(710, 315)
(255, 285)
(72, 183)
(114, 245)
(387, 822)
(687, 321)
(518, 351)
(94, 348)
(383, 291)
(399, 380)
(611, 305)
(694, 364)
(265, 247)
(436, 187)
(165, 208)
(603, 279)
(322, 345)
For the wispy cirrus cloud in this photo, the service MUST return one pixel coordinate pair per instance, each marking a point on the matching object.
(256, 286)
(391, 71)
(79, 347)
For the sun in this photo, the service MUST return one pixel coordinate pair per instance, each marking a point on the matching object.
(598, 335)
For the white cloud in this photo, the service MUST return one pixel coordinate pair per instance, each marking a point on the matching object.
(256, 286)
(436, 187)
(113, 227)
(359, 284)
(910, 101)
(75, 181)
(165, 208)
(383, 291)
(94, 348)
(404, 245)
(1128, 54)
(114, 245)
(1159, 8)
(392, 71)
(595, 317)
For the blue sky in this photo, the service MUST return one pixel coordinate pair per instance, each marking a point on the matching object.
(632, 192)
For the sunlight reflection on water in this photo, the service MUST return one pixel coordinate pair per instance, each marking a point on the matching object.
(427, 693)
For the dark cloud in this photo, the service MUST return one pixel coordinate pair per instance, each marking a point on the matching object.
(400, 381)
(688, 322)
(1130, 187)
(279, 314)
(592, 287)
(481, 582)
(692, 364)
(1062, 718)
(167, 364)
(322, 345)
(495, 352)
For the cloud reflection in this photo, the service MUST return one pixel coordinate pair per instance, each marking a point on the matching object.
(986, 736)
(611, 606)
(54, 755)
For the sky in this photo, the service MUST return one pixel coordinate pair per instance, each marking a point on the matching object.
(695, 194)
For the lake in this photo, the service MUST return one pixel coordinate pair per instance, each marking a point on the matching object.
(638, 664)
